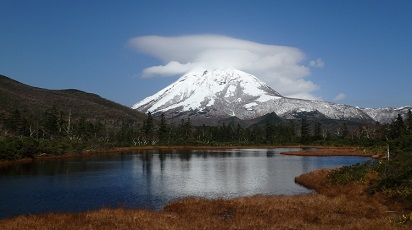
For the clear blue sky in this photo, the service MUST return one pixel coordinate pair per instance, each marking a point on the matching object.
(364, 46)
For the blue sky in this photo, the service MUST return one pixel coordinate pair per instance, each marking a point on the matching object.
(353, 52)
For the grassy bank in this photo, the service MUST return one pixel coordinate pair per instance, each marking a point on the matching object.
(334, 151)
(334, 207)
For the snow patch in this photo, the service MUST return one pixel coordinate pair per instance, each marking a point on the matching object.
(250, 106)
(302, 110)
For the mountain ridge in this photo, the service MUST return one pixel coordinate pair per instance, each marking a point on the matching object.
(212, 95)
(15, 95)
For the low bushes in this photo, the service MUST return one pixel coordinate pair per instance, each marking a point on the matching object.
(347, 174)
(14, 148)
(393, 177)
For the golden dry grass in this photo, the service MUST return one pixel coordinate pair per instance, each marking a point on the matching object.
(258, 212)
(333, 151)
(337, 207)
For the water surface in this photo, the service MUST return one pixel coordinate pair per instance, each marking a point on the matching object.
(151, 179)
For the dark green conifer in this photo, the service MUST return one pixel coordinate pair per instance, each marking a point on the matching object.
(304, 132)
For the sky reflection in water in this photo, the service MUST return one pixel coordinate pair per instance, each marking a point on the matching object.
(151, 179)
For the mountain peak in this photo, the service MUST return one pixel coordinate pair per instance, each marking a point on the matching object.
(208, 96)
(202, 89)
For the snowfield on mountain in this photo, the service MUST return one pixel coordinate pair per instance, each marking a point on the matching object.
(223, 93)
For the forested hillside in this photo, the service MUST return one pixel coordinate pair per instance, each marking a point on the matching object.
(37, 121)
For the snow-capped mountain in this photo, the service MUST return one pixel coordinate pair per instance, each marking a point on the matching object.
(386, 115)
(218, 94)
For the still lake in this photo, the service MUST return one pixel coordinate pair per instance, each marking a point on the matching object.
(151, 179)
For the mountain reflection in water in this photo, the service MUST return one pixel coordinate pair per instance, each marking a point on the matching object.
(151, 179)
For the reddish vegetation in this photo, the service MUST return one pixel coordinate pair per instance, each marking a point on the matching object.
(333, 207)
(337, 207)
(333, 151)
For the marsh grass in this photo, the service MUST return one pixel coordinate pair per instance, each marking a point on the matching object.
(334, 207)
(334, 151)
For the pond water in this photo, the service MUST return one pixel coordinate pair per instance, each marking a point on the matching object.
(151, 179)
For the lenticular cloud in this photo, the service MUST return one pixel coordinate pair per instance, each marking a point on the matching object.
(277, 66)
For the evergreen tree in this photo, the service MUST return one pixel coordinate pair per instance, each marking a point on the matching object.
(61, 122)
(82, 129)
(188, 129)
(345, 131)
(2, 124)
(397, 127)
(318, 131)
(328, 135)
(163, 129)
(205, 133)
(184, 131)
(14, 123)
(172, 132)
(256, 135)
(291, 132)
(225, 133)
(304, 132)
(148, 125)
(408, 121)
(50, 123)
(270, 132)
(25, 127)
(239, 133)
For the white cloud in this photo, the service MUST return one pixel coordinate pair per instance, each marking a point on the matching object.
(171, 68)
(340, 97)
(318, 63)
(278, 66)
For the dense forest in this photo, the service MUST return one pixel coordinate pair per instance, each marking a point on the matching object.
(56, 131)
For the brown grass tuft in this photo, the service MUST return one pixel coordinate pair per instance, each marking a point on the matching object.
(337, 207)
(333, 151)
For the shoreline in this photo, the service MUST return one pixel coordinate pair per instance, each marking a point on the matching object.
(316, 151)
(333, 206)
(338, 206)
(334, 151)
